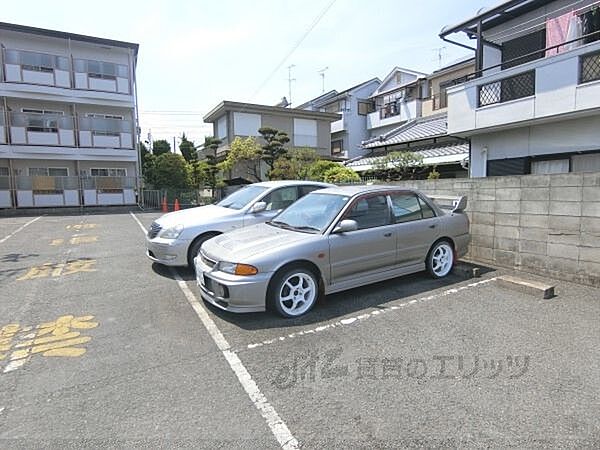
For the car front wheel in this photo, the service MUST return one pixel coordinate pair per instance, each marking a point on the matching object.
(440, 259)
(294, 292)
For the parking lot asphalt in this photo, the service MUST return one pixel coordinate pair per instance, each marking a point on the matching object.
(100, 347)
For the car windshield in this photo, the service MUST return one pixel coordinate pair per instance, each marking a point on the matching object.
(241, 197)
(312, 213)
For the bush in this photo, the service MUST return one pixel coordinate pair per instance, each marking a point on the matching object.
(341, 174)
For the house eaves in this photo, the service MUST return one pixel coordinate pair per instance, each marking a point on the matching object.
(494, 16)
(433, 155)
(252, 108)
(416, 130)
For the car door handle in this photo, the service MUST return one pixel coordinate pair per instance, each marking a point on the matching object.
(432, 226)
(387, 234)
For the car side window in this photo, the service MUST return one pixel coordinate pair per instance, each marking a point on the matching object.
(405, 207)
(281, 198)
(307, 189)
(370, 212)
(428, 213)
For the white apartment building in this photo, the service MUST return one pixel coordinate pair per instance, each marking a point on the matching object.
(68, 119)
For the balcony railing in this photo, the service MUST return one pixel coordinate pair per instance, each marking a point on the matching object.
(507, 89)
(36, 68)
(101, 76)
(105, 132)
(589, 69)
(42, 129)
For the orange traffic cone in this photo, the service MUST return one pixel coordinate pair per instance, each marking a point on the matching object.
(176, 208)
(164, 205)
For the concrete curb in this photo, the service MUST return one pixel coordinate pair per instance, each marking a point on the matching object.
(530, 287)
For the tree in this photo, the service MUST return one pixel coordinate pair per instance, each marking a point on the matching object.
(211, 168)
(295, 165)
(400, 165)
(341, 174)
(161, 146)
(170, 171)
(247, 151)
(274, 146)
(187, 149)
(316, 171)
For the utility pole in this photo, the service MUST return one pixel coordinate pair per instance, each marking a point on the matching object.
(322, 74)
(290, 79)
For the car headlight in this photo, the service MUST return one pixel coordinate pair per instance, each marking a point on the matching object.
(237, 268)
(172, 233)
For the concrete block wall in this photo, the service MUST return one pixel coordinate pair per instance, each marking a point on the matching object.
(545, 224)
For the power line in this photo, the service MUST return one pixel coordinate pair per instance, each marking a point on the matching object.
(295, 47)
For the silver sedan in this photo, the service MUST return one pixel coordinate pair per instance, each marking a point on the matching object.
(329, 241)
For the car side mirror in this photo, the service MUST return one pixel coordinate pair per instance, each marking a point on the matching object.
(345, 226)
(258, 207)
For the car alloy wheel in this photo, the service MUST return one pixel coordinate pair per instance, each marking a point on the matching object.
(296, 292)
(441, 259)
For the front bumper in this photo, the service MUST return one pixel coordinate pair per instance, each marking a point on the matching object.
(169, 252)
(232, 292)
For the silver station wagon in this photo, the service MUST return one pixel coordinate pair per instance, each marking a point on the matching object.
(329, 241)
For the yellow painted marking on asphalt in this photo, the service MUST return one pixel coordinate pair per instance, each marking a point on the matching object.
(56, 242)
(83, 240)
(82, 226)
(59, 269)
(51, 339)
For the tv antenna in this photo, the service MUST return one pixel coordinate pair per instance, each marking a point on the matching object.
(322, 74)
(290, 79)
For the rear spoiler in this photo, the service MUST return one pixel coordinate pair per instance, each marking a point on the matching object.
(455, 204)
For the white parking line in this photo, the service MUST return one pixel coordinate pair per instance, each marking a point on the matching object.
(138, 222)
(6, 238)
(274, 421)
(362, 317)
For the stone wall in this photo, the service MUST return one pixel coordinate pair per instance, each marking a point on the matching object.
(544, 224)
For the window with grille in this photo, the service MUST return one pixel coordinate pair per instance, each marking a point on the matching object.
(512, 88)
(589, 69)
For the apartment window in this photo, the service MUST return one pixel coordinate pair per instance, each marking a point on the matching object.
(337, 146)
(532, 44)
(39, 62)
(589, 69)
(41, 120)
(222, 127)
(104, 116)
(338, 106)
(3, 171)
(365, 107)
(48, 172)
(101, 69)
(245, 124)
(305, 133)
(108, 172)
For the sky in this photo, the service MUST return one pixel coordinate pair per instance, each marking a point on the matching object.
(196, 53)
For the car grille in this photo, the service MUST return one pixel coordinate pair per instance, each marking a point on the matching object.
(154, 230)
(206, 260)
